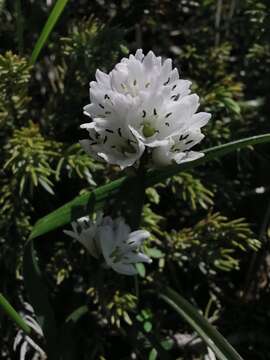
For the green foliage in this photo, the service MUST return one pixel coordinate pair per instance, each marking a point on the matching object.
(191, 190)
(30, 157)
(86, 49)
(76, 163)
(120, 306)
(14, 219)
(14, 81)
(212, 244)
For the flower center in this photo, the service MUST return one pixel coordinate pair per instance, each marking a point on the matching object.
(148, 129)
(116, 255)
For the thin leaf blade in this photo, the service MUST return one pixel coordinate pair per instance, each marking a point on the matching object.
(213, 339)
(96, 199)
(47, 29)
(9, 310)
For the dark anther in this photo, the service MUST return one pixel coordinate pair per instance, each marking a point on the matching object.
(155, 112)
(107, 112)
(113, 147)
(102, 107)
(175, 97)
(135, 82)
(105, 139)
(144, 114)
(189, 142)
(167, 82)
(106, 96)
(167, 115)
(174, 86)
(109, 131)
(119, 132)
(167, 124)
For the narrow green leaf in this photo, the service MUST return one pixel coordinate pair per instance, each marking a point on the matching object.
(39, 299)
(76, 315)
(96, 199)
(12, 314)
(156, 176)
(213, 339)
(48, 27)
(80, 206)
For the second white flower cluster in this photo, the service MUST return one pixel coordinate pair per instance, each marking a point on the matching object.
(112, 240)
(143, 104)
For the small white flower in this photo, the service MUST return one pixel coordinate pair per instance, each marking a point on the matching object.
(142, 103)
(24, 342)
(113, 239)
(120, 246)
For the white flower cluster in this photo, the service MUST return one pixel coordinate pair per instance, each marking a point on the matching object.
(23, 343)
(142, 104)
(113, 239)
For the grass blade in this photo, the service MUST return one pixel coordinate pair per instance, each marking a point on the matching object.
(48, 27)
(12, 314)
(213, 339)
(95, 200)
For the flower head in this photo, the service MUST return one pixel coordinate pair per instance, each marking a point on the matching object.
(141, 104)
(114, 240)
(24, 342)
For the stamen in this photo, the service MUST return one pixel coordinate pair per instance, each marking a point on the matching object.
(106, 96)
(135, 82)
(144, 114)
(147, 84)
(102, 107)
(105, 139)
(167, 124)
(167, 82)
(182, 137)
(113, 147)
(174, 86)
(175, 97)
(167, 115)
(107, 112)
(189, 142)
(119, 132)
(109, 131)
(155, 112)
